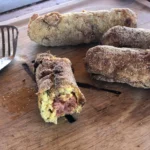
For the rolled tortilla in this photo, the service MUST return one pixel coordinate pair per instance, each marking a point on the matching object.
(54, 29)
(124, 65)
(120, 36)
(58, 93)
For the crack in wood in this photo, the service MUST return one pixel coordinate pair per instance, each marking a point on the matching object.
(28, 70)
(89, 86)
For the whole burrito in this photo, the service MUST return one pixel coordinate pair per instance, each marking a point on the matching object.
(54, 29)
(58, 93)
(124, 65)
(120, 36)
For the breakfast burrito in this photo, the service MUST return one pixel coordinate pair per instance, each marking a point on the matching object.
(124, 65)
(121, 36)
(58, 93)
(55, 29)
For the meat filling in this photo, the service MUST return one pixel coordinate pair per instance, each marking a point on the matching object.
(65, 104)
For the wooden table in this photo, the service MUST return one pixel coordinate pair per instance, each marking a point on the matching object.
(108, 121)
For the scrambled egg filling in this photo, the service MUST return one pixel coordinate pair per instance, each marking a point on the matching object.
(51, 103)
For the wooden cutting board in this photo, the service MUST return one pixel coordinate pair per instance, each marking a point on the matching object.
(108, 121)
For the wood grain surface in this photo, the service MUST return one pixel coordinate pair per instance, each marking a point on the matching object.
(108, 121)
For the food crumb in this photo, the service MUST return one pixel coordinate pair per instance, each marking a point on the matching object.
(24, 80)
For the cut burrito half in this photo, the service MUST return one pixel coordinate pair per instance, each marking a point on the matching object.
(58, 93)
